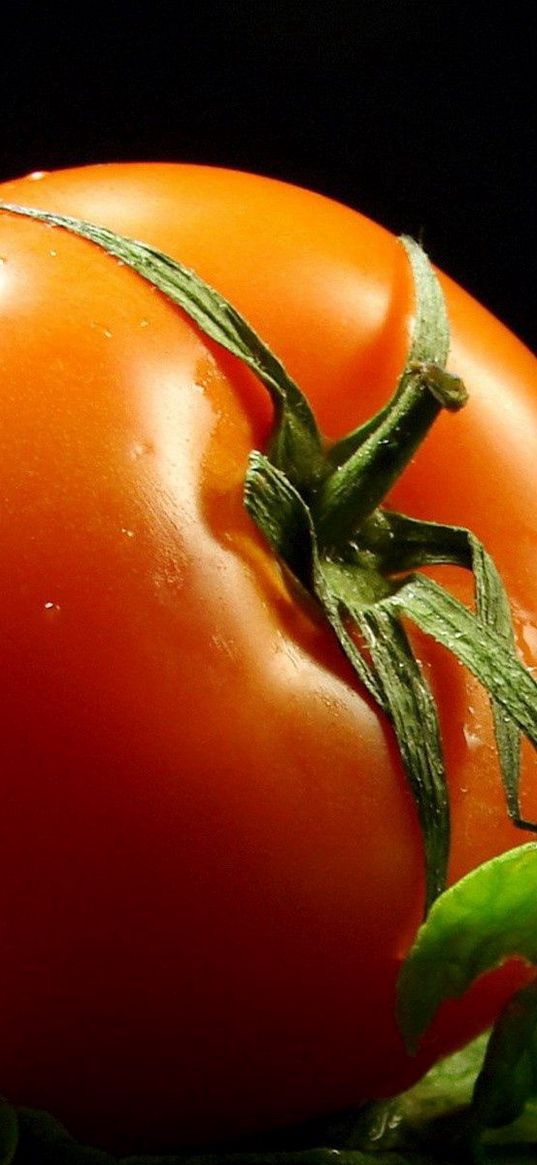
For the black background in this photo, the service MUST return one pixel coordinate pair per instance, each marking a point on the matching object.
(421, 115)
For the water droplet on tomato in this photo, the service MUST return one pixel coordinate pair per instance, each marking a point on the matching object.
(99, 327)
(127, 533)
(472, 738)
(529, 635)
(37, 175)
(50, 606)
(141, 449)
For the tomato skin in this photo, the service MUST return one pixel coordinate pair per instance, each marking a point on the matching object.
(210, 860)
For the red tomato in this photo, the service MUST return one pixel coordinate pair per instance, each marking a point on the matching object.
(210, 860)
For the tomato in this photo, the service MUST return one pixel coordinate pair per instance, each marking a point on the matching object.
(210, 859)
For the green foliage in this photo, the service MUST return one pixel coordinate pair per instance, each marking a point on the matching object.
(474, 926)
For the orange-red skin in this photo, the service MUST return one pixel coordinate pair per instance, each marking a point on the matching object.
(209, 856)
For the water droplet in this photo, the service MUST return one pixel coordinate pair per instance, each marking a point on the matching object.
(472, 738)
(529, 635)
(126, 532)
(50, 605)
(53, 254)
(105, 331)
(140, 449)
(223, 646)
(144, 323)
(36, 175)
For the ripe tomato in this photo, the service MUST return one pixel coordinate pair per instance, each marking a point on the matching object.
(210, 860)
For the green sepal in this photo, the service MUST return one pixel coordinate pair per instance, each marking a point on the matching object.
(402, 544)
(437, 613)
(267, 494)
(349, 593)
(413, 712)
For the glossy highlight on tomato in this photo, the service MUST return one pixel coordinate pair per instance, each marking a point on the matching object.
(211, 864)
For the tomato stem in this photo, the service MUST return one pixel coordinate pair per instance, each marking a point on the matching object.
(354, 490)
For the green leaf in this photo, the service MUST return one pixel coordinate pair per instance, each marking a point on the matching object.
(474, 926)
(296, 441)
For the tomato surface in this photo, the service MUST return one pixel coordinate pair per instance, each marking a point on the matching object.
(210, 860)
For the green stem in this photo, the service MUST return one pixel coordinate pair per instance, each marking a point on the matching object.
(354, 490)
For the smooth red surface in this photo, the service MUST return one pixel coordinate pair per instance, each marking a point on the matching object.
(210, 864)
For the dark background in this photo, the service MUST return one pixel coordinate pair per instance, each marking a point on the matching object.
(421, 115)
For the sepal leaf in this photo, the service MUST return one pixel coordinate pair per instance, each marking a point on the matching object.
(440, 615)
(268, 493)
(347, 593)
(405, 544)
(414, 716)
